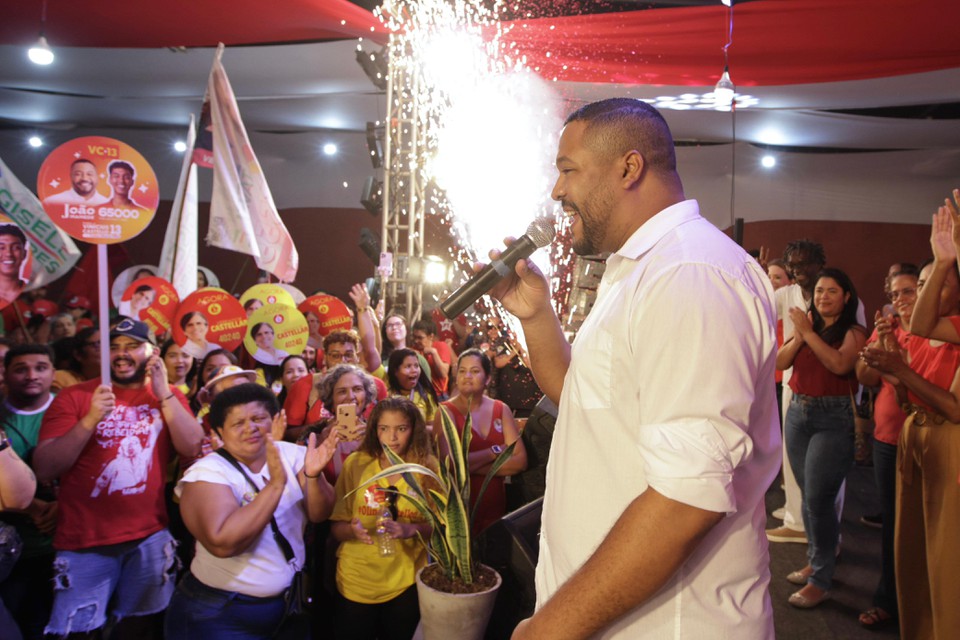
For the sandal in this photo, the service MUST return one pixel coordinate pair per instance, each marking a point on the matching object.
(875, 619)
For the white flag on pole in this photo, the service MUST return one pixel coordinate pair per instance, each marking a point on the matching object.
(243, 216)
(54, 252)
(178, 258)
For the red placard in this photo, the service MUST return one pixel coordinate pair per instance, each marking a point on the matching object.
(329, 313)
(152, 300)
(98, 189)
(209, 319)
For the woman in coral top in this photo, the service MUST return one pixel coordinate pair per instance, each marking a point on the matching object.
(493, 430)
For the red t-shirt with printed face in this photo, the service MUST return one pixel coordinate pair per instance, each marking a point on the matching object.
(114, 491)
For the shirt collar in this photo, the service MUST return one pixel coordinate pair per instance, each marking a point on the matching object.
(651, 231)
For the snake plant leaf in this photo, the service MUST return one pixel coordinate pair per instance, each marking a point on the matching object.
(458, 462)
(458, 535)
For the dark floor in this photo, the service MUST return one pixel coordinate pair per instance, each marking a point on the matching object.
(855, 579)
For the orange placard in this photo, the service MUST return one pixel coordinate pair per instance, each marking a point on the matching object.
(98, 190)
(209, 319)
(275, 332)
(16, 262)
(325, 313)
(152, 300)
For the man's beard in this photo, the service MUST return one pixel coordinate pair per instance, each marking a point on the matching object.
(139, 374)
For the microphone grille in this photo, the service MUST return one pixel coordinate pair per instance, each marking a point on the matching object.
(541, 232)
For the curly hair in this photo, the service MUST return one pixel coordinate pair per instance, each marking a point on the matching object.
(812, 248)
(329, 381)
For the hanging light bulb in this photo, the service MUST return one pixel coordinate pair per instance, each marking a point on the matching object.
(724, 91)
(40, 53)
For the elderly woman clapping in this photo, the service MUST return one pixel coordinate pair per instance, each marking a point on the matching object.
(239, 502)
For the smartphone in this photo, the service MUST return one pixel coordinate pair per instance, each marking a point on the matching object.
(347, 421)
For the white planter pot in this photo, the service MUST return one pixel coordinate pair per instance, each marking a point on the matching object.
(454, 616)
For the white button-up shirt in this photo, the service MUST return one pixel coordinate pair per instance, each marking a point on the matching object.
(671, 386)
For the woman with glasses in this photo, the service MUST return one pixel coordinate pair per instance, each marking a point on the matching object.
(891, 332)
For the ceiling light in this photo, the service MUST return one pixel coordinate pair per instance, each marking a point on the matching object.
(330, 149)
(35, 141)
(723, 92)
(768, 162)
(40, 53)
(179, 146)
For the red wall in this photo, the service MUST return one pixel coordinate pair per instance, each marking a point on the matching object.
(864, 250)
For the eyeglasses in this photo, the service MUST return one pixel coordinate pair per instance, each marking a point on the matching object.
(902, 293)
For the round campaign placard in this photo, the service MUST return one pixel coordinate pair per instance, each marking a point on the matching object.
(98, 189)
(152, 300)
(328, 313)
(125, 277)
(274, 332)
(260, 295)
(209, 319)
(16, 261)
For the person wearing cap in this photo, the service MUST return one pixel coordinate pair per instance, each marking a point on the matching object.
(108, 444)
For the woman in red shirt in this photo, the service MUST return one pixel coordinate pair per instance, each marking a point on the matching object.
(819, 425)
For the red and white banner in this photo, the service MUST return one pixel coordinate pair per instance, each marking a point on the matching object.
(243, 216)
(178, 258)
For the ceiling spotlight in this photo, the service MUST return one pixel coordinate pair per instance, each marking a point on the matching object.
(330, 149)
(768, 162)
(724, 91)
(374, 132)
(179, 146)
(375, 66)
(726, 3)
(35, 141)
(40, 53)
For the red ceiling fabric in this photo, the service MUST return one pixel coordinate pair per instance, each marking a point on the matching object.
(775, 42)
(187, 23)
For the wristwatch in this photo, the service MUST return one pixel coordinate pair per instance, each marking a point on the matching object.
(497, 449)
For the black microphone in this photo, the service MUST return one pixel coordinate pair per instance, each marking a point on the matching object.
(539, 234)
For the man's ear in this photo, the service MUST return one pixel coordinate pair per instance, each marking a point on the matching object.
(633, 165)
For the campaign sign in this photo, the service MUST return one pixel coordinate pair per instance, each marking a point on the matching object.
(274, 332)
(98, 189)
(206, 278)
(209, 319)
(127, 276)
(16, 262)
(263, 294)
(152, 300)
(324, 314)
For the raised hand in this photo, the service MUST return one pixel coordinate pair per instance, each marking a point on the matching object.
(158, 377)
(953, 209)
(320, 452)
(278, 475)
(801, 323)
(941, 235)
(360, 296)
(278, 427)
(884, 325)
(764, 257)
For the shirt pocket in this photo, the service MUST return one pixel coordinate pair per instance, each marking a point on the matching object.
(594, 369)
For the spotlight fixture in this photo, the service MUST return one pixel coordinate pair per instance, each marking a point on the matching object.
(35, 141)
(724, 91)
(372, 196)
(330, 149)
(375, 66)
(369, 243)
(374, 145)
(180, 146)
(768, 161)
(41, 53)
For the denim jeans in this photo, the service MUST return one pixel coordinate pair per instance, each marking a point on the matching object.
(819, 438)
(199, 612)
(121, 580)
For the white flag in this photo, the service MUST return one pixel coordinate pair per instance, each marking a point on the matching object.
(54, 252)
(243, 216)
(178, 258)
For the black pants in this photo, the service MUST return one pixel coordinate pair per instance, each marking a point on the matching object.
(395, 619)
